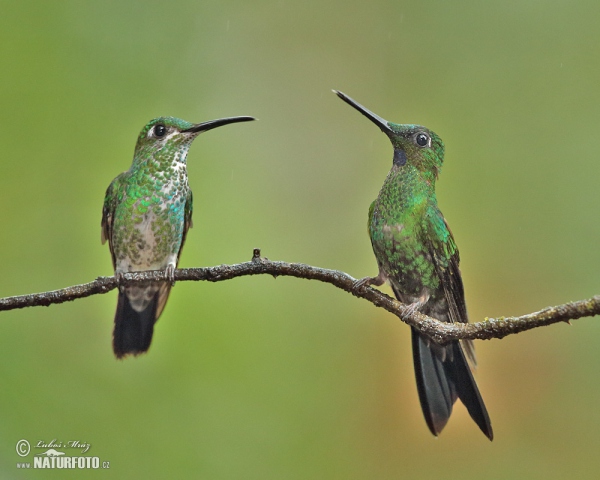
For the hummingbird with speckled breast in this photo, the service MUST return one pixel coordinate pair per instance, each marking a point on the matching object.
(146, 216)
(417, 255)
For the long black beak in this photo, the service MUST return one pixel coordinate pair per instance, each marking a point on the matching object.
(376, 119)
(205, 126)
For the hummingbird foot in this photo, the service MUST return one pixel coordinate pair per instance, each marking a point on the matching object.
(170, 273)
(367, 281)
(120, 281)
(413, 307)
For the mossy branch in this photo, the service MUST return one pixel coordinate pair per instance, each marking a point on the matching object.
(440, 332)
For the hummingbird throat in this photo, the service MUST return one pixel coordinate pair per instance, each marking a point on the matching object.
(399, 157)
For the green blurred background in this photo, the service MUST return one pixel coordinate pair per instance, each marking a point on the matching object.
(258, 378)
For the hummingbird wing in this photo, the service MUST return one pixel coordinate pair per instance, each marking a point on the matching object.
(187, 220)
(446, 259)
(371, 209)
(443, 373)
(108, 213)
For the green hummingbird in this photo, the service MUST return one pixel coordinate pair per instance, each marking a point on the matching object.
(417, 255)
(146, 215)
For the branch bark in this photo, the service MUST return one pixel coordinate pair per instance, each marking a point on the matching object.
(439, 332)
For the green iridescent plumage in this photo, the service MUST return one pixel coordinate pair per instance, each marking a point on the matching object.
(417, 255)
(146, 215)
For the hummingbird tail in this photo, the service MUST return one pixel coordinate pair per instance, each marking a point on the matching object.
(133, 330)
(443, 375)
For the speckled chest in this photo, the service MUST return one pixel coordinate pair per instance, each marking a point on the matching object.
(149, 220)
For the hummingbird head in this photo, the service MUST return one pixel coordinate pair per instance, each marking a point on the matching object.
(172, 136)
(414, 145)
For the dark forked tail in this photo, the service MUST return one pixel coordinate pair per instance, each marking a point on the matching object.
(443, 375)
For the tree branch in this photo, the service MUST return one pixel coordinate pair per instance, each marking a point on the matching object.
(440, 332)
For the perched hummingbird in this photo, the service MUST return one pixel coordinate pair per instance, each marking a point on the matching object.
(417, 255)
(147, 213)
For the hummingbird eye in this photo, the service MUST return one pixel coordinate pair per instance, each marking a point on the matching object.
(422, 139)
(160, 130)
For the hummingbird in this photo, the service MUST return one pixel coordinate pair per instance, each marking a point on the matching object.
(417, 255)
(145, 218)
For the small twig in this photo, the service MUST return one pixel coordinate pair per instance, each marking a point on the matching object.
(440, 332)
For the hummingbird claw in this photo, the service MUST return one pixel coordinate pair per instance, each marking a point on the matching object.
(367, 281)
(413, 307)
(170, 274)
(362, 282)
(120, 281)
